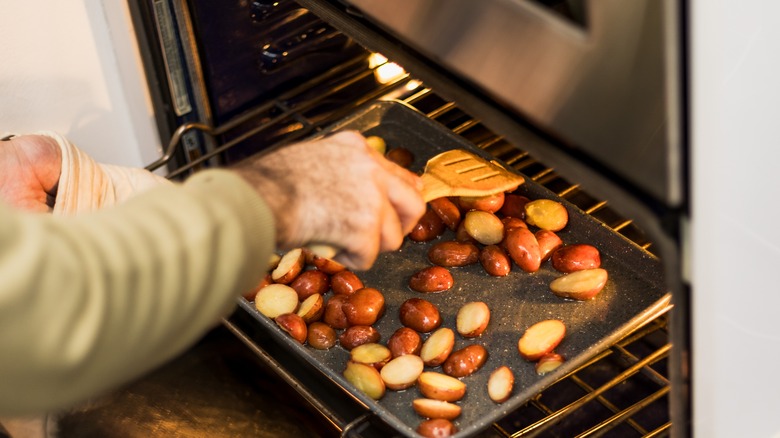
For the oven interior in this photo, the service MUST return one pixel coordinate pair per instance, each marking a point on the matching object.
(294, 73)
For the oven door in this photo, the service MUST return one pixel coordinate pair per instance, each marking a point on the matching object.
(600, 76)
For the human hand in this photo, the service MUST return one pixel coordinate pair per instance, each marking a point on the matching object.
(337, 191)
(30, 168)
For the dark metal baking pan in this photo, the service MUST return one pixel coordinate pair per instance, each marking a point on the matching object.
(633, 295)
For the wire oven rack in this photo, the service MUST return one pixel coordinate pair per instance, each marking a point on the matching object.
(622, 392)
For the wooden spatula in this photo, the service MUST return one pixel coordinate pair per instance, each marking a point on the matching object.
(461, 173)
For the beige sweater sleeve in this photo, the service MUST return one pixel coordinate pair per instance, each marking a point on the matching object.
(90, 301)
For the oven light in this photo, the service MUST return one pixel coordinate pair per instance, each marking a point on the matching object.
(384, 72)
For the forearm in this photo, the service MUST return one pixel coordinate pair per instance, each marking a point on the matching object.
(90, 301)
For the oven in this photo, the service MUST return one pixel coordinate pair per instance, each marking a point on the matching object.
(587, 99)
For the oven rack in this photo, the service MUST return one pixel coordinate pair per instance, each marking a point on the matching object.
(622, 391)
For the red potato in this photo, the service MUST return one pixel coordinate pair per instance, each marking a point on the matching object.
(546, 214)
(580, 285)
(548, 363)
(576, 257)
(523, 249)
(364, 307)
(294, 325)
(312, 308)
(461, 235)
(334, 312)
(290, 265)
(345, 282)
(276, 299)
(250, 295)
(447, 211)
(549, 242)
(495, 261)
(400, 156)
(440, 386)
(429, 227)
(540, 339)
(430, 408)
(402, 372)
(431, 279)
(466, 361)
(420, 315)
(511, 222)
(404, 341)
(472, 319)
(437, 428)
(313, 251)
(437, 348)
(357, 335)
(500, 384)
(311, 282)
(326, 265)
(372, 353)
(485, 227)
(452, 253)
(365, 378)
(321, 336)
(489, 203)
(514, 206)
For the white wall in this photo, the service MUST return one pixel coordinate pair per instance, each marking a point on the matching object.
(72, 67)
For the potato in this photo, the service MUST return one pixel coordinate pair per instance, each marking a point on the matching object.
(540, 339)
(453, 253)
(466, 361)
(345, 282)
(402, 372)
(372, 353)
(576, 257)
(356, 335)
(447, 211)
(401, 156)
(436, 428)
(321, 336)
(265, 281)
(312, 308)
(548, 243)
(364, 306)
(294, 325)
(461, 235)
(437, 348)
(404, 341)
(429, 227)
(365, 378)
(377, 143)
(430, 408)
(472, 319)
(311, 282)
(485, 227)
(546, 214)
(326, 265)
(431, 279)
(334, 314)
(290, 265)
(523, 249)
(580, 285)
(489, 203)
(495, 261)
(500, 384)
(514, 206)
(511, 222)
(420, 315)
(440, 386)
(276, 299)
(548, 363)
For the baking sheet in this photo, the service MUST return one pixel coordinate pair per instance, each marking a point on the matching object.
(633, 294)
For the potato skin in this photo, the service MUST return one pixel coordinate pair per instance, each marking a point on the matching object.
(364, 307)
(465, 361)
(431, 279)
(495, 261)
(321, 336)
(436, 428)
(345, 282)
(311, 282)
(404, 341)
(429, 227)
(400, 156)
(514, 205)
(447, 211)
(576, 257)
(523, 248)
(334, 312)
(294, 325)
(549, 242)
(358, 335)
(419, 315)
(453, 254)
(489, 203)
